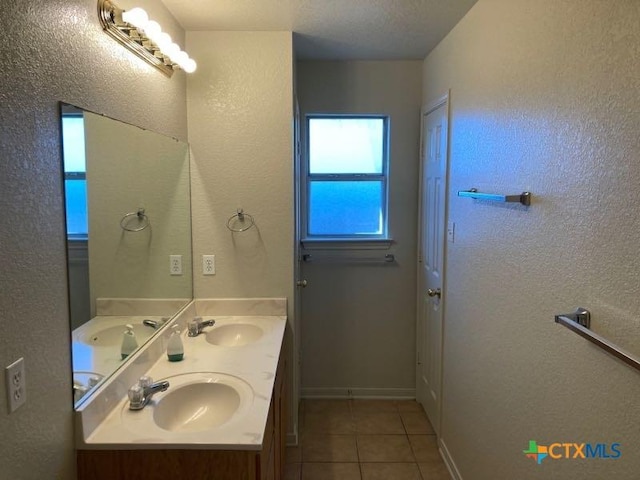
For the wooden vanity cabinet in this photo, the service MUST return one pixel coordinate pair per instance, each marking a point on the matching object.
(266, 464)
(271, 460)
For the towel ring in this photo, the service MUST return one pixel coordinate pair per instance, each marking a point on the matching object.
(240, 215)
(142, 218)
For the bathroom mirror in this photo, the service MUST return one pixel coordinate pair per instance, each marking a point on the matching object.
(128, 223)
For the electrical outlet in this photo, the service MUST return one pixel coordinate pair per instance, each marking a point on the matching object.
(208, 264)
(16, 385)
(175, 264)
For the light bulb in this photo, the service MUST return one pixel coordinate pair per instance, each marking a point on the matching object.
(181, 58)
(152, 30)
(171, 50)
(189, 66)
(136, 17)
(163, 41)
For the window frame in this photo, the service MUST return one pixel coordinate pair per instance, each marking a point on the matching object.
(72, 176)
(340, 240)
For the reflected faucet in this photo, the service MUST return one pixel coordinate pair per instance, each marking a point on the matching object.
(140, 394)
(80, 389)
(197, 324)
(154, 323)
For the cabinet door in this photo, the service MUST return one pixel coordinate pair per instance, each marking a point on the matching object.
(265, 461)
(271, 467)
(281, 412)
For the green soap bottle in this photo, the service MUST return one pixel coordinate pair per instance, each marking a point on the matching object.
(175, 349)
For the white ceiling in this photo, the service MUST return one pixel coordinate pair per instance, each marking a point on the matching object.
(333, 29)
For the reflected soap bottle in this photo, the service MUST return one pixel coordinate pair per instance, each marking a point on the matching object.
(175, 349)
(129, 342)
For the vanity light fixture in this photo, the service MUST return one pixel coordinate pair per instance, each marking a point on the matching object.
(143, 37)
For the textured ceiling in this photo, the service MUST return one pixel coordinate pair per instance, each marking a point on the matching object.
(333, 29)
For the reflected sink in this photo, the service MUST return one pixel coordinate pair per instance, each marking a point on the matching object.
(194, 402)
(110, 336)
(234, 334)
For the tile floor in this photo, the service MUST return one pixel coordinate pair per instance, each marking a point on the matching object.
(364, 440)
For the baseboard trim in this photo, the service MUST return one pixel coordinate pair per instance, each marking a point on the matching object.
(448, 460)
(355, 392)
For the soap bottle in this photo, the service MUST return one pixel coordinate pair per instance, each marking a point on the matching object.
(175, 350)
(129, 342)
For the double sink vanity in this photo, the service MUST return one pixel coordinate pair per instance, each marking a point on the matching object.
(222, 415)
(219, 413)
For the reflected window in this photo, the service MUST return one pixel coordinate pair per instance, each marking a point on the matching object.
(346, 184)
(75, 176)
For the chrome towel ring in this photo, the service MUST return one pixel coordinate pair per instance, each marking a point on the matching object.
(143, 220)
(241, 218)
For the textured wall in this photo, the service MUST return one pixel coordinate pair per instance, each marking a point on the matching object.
(240, 113)
(545, 97)
(366, 312)
(54, 51)
(240, 132)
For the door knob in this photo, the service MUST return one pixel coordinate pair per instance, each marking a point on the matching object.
(301, 283)
(434, 292)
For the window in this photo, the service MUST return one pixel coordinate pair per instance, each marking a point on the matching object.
(75, 176)
(346, 177)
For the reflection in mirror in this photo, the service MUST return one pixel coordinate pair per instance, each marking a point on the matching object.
(128, 219)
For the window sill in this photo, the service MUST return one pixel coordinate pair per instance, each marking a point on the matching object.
(346, 243)
(77, 241)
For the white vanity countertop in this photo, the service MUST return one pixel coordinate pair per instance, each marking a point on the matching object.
(254, 363)
(96, 344)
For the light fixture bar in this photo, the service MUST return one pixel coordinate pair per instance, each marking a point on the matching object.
(143, 37)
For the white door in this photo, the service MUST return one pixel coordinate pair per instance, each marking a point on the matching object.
(433, 194)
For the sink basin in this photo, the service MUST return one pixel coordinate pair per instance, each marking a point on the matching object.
(194, 402)
(111, 336)
(234, 334)
(196, 407)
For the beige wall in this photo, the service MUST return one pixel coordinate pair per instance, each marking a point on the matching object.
(241, 135)
(358, 321)
(544, 97)
(54, 51)
(240, 132)
(146, 170)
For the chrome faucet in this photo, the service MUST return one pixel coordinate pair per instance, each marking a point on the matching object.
(197, 324)
(154, 323)
(79, 390)
(141, 393)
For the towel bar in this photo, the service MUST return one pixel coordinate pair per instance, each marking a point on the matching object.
(576, 322)
(524, 198)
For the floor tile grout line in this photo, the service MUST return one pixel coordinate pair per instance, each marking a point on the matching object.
(355, 437)
(405, 427)
(356, 434)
